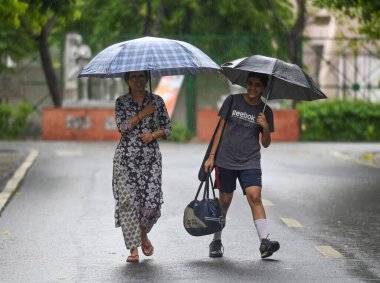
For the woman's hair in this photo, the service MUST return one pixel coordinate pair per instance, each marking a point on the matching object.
(126, 75)
(126, 78)
(262, 77)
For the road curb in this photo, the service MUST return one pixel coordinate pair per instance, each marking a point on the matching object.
(358, 160)
(14, 182)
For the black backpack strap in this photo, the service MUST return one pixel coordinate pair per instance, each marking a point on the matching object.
(202, 175)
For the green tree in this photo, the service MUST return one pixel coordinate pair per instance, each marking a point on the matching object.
(229, 28)
(250, 25)
(27, 25)
(106, 22)
(12, 43)
(366, 11)
(292, 27)
(208, 24)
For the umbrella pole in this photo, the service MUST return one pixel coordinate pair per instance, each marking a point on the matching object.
(150, 82)
(269, 91)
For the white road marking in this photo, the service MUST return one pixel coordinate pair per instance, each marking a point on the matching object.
(68, 152)
(267, 202)
(329, 252)
(13, 183)
(290, 222)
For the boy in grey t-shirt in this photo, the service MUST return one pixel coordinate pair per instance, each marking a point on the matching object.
(239, 157)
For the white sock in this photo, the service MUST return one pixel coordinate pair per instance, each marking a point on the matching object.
(261, 228)
(218, 236)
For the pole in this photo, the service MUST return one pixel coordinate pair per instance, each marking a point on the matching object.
(268, 92)
(190, 105)
(150, 82)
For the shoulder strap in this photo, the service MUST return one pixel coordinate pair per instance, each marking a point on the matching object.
(202, 175)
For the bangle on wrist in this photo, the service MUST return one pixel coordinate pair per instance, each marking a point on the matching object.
(212, 154)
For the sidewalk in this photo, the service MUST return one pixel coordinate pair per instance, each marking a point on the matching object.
(14, 164)
(10, 160)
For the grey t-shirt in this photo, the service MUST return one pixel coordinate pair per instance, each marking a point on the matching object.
(239, 148)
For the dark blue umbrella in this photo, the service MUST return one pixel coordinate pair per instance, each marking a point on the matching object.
(159, 56)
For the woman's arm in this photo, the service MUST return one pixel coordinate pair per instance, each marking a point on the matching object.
(123, 123)
(165, 125)
(164, 122)
(121, 116)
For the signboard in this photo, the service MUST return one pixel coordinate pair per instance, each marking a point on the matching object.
(168, 88)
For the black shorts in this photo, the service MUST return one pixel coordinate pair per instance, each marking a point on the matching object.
(225, 179)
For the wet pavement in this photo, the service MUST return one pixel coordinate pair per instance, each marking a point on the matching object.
(10, 160)
(59, 225)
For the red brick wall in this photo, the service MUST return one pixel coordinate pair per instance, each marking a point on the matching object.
(207, 120)
(97, 124)
(285, 122)
(93, 124)
(286, 125)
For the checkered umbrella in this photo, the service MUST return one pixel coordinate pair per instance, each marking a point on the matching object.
(287, 81)
(159, 56)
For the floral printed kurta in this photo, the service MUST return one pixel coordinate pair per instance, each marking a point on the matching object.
(137, 168)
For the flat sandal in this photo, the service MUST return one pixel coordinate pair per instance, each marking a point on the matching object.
(133, 258)
(147, 250)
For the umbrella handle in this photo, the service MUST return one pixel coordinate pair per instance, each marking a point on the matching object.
(269, 91)
(265, 105)
(150, 82)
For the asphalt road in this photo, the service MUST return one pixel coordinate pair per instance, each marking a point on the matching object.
(322, 206)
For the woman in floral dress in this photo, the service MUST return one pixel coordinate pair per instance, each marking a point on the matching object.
(141, 118)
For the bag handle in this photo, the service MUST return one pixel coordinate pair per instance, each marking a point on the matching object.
(206, 183)
(212, 186)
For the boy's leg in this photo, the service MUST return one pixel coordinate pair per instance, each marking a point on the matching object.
(216, 248)
(225, 181)
(253, 194)
(224, 202)
(267, 247)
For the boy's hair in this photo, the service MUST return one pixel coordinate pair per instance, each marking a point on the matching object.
(262, 77)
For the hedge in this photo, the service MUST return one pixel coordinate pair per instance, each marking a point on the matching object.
(179, 133)
(339, 120)
(13, 119)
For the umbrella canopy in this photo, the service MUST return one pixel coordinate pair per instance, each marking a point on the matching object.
(159, 56)
(287, 81)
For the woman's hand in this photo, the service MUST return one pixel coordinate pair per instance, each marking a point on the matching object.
(147, 137)
(209, 164)
(148, 109)
(262, 121)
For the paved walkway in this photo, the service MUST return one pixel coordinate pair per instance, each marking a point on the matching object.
(14, 164)
(59, 226)
(10, 160)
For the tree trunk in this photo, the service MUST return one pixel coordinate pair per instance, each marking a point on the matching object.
(148, 18)
(294, 32)
(294, 44)
(47, 66)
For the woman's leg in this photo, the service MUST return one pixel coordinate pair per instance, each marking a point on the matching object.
(130, 227)
(146, 245)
